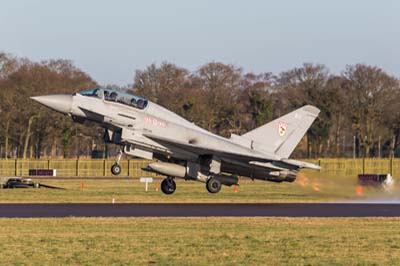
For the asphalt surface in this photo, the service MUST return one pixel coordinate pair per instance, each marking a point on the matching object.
(201, 210)
(85, 178)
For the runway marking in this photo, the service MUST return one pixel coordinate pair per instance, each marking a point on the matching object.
(200, 210)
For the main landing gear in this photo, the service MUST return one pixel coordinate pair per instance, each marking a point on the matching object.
(168, 185)
(116, 168)
(213, 185)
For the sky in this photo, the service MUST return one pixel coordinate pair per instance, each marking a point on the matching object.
(111, 39)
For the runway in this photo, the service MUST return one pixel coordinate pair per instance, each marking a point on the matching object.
(200, 210)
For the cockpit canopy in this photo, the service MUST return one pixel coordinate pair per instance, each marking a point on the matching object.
(116, 96)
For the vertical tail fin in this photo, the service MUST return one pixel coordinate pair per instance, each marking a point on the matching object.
(282, 135)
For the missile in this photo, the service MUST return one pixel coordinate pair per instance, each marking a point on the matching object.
(169, 169)
(279, 176)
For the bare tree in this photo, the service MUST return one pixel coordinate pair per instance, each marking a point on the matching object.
(307, 85)
(368, 90)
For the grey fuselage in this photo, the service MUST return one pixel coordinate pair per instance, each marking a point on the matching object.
(153, 120)
(153, 132)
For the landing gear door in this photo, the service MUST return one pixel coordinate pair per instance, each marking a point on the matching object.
(111, 136)
(137, 152)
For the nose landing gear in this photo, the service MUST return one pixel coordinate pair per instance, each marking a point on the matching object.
(116, 168)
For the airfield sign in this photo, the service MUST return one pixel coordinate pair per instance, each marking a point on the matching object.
(146, 180)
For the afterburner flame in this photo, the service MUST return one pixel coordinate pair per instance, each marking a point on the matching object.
(302, 180)
(316, 186)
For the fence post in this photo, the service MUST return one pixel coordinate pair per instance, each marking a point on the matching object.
(104, 167)
(363, 165)
(391, 166)
(16, 167)
(129, 168)
(77, 167)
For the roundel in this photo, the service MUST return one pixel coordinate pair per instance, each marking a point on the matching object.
(282, 126)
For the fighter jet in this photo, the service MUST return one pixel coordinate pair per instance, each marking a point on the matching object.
(181, 149)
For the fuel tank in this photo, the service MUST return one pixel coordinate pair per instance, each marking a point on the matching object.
(168, 169)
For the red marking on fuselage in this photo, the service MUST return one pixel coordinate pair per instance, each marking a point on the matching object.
(155, 122)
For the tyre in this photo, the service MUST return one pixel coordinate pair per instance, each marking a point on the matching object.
(168, 186)
(116, 169)
(213, 185)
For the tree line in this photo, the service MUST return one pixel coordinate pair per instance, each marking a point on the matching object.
(360, 107)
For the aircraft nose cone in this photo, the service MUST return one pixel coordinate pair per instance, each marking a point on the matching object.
(60, 102)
